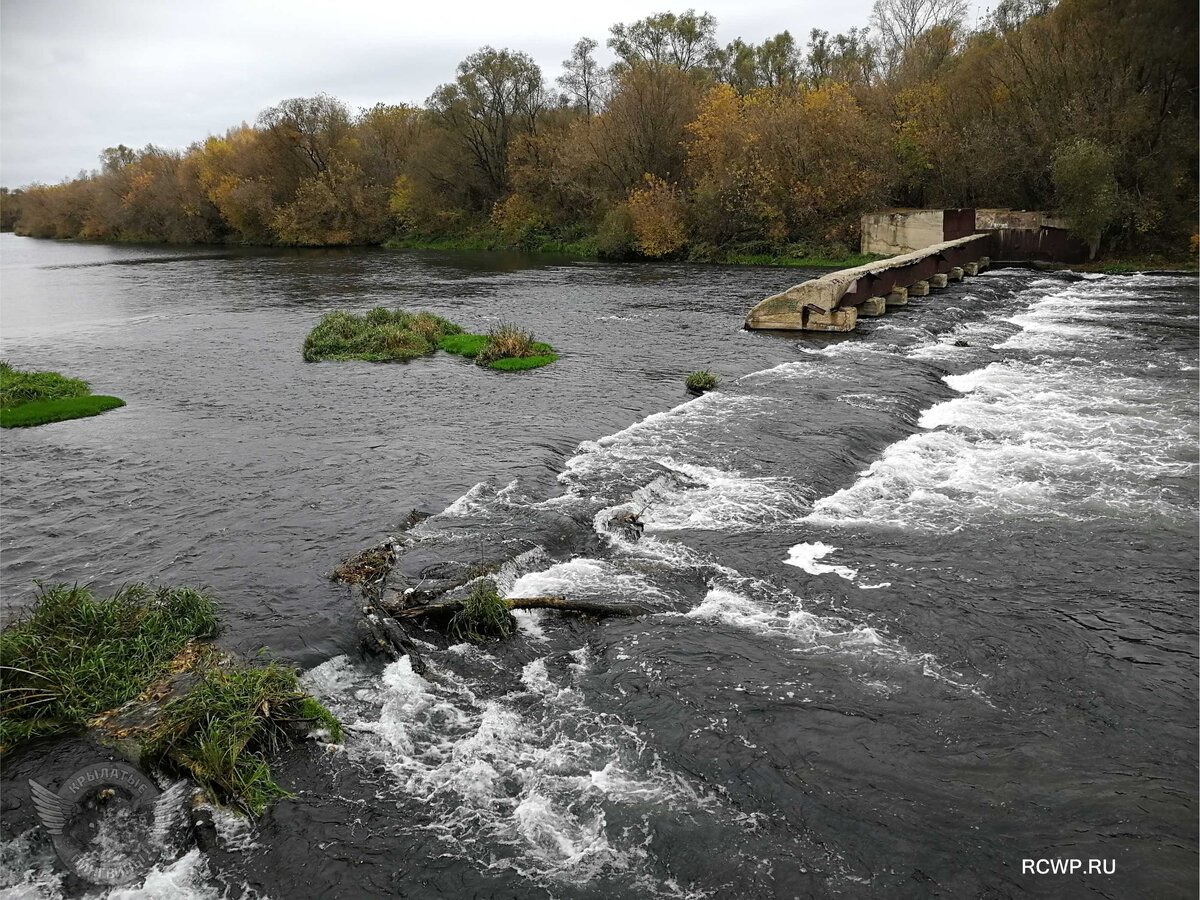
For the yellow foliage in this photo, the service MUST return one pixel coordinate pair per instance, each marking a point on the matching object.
(657, 212)
(518, 218)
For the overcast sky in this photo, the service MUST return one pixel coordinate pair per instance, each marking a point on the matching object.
(77, 76)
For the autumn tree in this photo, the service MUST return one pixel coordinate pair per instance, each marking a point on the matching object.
(584, 80)
(1086, 189)
(686, 41)
(899, 23)
(497, 95)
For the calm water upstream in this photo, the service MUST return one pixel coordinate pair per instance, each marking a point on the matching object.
(922, 611)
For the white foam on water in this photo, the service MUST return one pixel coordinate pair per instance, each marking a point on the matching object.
(478, 498)
(585, 578)
(810, 632)
(805, 556)
(691, 424)
(28, 863)
(1046, 438)
(692, 497)
(531, 776)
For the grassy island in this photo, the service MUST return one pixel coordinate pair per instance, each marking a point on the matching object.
(39, 398)
(383, 335)
(138, 670)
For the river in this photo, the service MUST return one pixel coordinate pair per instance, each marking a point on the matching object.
(924, 595)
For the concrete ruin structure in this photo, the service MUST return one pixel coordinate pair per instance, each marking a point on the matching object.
(834, 301)
(927, 250)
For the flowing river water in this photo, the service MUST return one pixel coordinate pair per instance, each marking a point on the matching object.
(924, 596)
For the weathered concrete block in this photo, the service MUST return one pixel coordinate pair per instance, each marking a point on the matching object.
(898, 297)
(938, 281)
(872, 306)
(955, 274)
(918, 289)
(971, 268)
(786, 310)
(837, 320)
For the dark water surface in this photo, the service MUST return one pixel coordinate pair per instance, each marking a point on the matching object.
(922, 611)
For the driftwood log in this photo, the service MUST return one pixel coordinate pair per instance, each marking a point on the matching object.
(387, 635)
(587, 607)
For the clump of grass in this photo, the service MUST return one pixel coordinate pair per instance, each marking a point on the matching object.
(484, 615)
(225, 729)
(701, 381)
(72, 656)
(380, 335)
(506, 349)
(505, 342)
(17, 386)
(43, 412)
(467, 345)
(38, 398)
(73, 660)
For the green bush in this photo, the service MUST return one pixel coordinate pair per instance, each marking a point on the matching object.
(701, 381)
(615, 239)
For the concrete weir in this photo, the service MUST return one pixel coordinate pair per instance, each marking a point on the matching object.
(834, 301)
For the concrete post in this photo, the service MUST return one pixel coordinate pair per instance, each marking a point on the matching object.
(971, 268)
(872, 306)
(918, 289)
(835, 320)
(898, 297)
(955, 274)
(937, 281)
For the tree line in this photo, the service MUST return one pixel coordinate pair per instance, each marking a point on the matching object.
(686, 148)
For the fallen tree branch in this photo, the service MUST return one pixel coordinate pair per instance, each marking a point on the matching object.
(588, 607)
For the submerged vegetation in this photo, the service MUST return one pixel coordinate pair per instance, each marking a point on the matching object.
(686, 149)
(701, 381)
(73, 660)
(383, 335)
(38, 398)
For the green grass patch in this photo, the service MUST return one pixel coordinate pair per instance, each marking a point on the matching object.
(383, 335)
(522, 363)
(226, 728)
(701, 381)
(467, 345)
(43, 412)
(507, 348)
(380, 335)
(72, 656)
(38, 398)
(484, 615)
(72, 659)
(18, 386)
